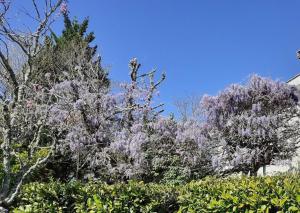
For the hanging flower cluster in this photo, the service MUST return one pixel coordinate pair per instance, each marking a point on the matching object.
(253, 120)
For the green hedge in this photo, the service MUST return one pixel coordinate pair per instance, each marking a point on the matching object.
(254, 194)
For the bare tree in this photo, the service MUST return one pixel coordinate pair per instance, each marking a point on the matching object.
(138, 85)
(27, 136)
(189, 107)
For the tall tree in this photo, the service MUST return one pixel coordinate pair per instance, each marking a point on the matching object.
(69, 56)
(59, 58)
(28, 135)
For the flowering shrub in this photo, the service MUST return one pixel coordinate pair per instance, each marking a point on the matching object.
(178, 151)
(252, 124)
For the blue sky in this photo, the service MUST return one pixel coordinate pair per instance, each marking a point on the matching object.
(202, 45)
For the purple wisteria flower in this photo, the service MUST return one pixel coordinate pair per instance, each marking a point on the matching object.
(64, 8)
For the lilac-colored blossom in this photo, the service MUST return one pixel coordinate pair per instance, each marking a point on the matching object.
(64, 8)
(252, 115)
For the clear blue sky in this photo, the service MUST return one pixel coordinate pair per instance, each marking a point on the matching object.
(202, 45)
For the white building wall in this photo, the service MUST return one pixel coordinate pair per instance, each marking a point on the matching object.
(295, 81)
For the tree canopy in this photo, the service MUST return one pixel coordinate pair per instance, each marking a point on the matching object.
(254, 124)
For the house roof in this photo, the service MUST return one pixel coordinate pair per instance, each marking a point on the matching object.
(293, 78)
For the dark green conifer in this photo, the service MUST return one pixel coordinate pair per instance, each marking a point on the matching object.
(60, 55)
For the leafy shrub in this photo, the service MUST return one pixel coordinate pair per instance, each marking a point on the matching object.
(260, 194)
(96, 197)
(131, 197)
(49, 197)
(254, 194)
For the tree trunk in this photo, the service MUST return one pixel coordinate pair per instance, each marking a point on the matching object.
(264, 170)
(6, 164)
(253, 170)
(253, 173)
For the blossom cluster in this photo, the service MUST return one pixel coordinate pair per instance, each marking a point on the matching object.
(253, 121)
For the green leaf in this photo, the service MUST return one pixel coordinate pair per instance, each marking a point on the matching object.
(293, 209)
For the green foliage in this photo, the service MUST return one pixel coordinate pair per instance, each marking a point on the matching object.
(95, 197)
(75, 31)
(131, 197)
(261, 194)
(254, 194)
(61, 53)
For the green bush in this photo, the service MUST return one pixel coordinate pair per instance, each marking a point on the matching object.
(245, 194)
(261, 194)
(96, 197)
